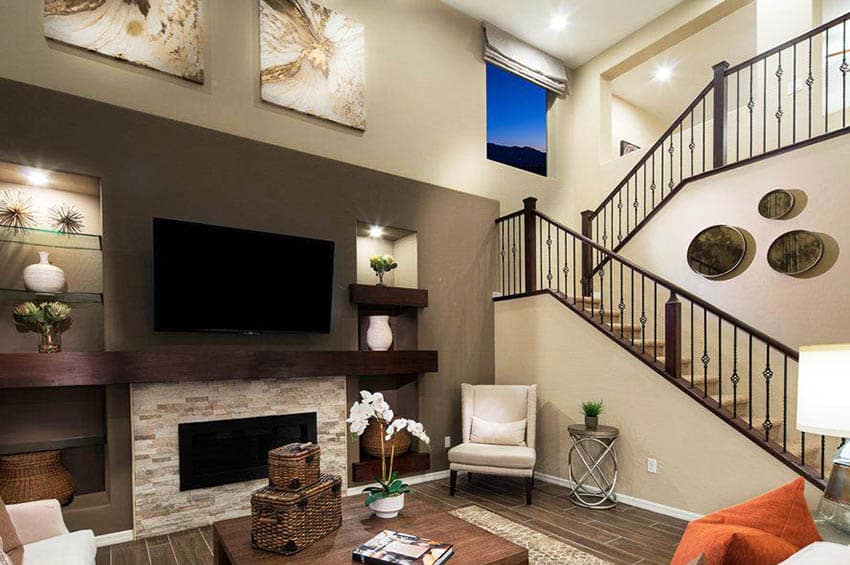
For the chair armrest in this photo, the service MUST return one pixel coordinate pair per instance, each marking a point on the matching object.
(37, 520)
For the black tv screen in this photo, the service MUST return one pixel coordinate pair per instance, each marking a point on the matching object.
(219, 279)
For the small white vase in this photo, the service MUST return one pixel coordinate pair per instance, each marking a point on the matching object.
(379, 336)
(44, 277)
(388, 507)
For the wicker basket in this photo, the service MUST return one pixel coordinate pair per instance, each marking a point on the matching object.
(35, 476)
(294, 466)
(370, 441)
(287, 522)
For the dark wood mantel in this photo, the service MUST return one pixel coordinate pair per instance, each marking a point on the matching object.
(30, 370)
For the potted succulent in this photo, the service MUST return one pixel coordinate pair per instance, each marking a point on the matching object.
(49, 319)
(382, 264)
(592, 409)
(386, 500)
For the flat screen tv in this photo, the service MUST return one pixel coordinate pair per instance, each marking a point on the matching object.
(219, 279)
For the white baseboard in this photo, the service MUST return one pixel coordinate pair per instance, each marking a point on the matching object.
(630, 500)
(412, 480)
(112, 538)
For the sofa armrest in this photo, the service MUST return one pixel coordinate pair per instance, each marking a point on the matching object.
(37, 520)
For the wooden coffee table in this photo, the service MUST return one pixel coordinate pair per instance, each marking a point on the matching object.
(421, 517)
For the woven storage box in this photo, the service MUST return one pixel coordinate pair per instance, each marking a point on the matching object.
(287, 522)
(294, 466)
(35, 476)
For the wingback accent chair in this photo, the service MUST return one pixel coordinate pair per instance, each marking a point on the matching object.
(499, 425)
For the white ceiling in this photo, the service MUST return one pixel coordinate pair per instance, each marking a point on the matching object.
(593, 25)
(732, 39)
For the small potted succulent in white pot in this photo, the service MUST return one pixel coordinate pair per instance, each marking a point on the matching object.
(592, 409)
(386, 500)
(382, 264)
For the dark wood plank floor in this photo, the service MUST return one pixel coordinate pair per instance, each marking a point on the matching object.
(623, 535)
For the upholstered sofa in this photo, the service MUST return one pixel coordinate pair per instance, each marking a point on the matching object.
(499, 425)
(45, 538)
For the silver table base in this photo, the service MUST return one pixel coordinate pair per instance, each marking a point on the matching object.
(593, 487)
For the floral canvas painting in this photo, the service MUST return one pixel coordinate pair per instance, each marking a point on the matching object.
(166, 35)
(312, 60)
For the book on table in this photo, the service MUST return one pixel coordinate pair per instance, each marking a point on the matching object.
(395, 548)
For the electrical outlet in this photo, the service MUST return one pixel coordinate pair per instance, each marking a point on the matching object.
(447, 441)
(651, 465)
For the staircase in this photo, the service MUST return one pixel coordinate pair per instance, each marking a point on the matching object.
(743, 376)
(789, 97)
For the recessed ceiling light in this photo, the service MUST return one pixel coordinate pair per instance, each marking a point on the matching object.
(376, 231)
(663, 73)
(38, 178)
(558, 22)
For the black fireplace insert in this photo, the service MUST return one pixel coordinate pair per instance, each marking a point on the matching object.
(233, 451)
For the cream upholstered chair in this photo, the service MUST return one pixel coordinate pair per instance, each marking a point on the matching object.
(499, 424)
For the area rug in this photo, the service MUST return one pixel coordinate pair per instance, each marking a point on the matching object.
(542, 549)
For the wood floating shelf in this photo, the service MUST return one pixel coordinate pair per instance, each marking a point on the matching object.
(387, 296)
(54, 445)
(411, 462)
(30, 370)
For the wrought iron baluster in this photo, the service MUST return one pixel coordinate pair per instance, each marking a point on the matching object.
(628, 218)
(652, 186)
(720, 361)
(810, 80)
(764, 108)
(703, 132)
(611, 295)
(671, 150)
(619, 216)
(575, 268)
(750, 386)
(844, 68)
(735, 378)
(662, 172)
(785, 403)
(602, 294)
(693, 369)
(643, 318)
(822, 456)
(513, 255)
(632, 307)
(635, 205)
(705, 358)
(681, 149)
(768, 375)
(803, 449)
(826, 86)
(751, 104)
(644, 191)
(539, 228)
(737, 115)
(794, 98)
(621, 306)
(502, 254)
(691, 145)
(779, 102)
(548, 251)
(558, 259)
(655, 319)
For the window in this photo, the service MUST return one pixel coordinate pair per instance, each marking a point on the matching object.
(516, 121)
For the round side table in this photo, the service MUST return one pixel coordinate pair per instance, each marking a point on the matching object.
(592, 464)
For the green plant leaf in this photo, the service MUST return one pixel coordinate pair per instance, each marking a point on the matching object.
(374, 496)
(372, 489)
(393, 476)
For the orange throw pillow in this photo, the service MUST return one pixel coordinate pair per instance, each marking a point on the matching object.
(763, 531)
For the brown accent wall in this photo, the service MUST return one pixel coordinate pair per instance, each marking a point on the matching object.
(152, 166)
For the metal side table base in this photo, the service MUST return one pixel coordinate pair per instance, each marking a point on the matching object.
(595, 461)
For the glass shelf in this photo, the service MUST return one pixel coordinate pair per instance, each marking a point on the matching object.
(48, 238)
(66, 297)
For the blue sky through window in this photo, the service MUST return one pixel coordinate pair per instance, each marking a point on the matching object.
(516, 117)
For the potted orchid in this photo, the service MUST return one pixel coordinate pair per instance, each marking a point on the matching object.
(387, 499)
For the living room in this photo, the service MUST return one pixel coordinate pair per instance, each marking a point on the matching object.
(384, 229)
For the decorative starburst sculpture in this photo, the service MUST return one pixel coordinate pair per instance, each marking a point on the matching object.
(66, 219)
(16, 212)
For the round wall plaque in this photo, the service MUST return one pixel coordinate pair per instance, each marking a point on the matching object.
(795, 252)
(717, 251)
(776, 204)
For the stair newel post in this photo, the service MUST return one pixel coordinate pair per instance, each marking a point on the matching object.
(530, 220)
(673, 336)
(586, 253)
(720, 120)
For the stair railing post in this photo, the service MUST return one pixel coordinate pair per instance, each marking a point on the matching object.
(530, 217)
(673, 336)
(586, 253)
(720, 121)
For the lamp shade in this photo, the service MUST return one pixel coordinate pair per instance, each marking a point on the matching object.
(823, 390)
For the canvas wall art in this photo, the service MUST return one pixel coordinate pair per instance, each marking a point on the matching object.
(312, 60)
(166, 35)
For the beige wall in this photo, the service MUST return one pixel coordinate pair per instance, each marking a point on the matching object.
(425, 92)
(796, 311)
(703, 464)
(406, 252)
(633, 124)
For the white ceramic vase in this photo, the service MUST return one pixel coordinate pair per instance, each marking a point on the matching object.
(379, 336)
(44, 277)
(388, 507)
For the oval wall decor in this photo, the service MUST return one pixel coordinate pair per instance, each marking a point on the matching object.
(795, 252)
(717, 251)
(776, 204)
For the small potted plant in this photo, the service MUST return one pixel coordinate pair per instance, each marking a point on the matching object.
(592, 409)
(49, 319)
(386, 500)
(382, 264)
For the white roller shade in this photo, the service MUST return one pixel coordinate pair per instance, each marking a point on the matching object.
(514, 55)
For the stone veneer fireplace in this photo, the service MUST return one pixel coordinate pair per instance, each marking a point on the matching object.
(157, 411)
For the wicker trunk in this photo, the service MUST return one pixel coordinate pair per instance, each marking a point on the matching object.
(294, 466)
(287, 522)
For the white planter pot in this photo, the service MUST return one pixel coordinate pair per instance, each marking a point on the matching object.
(388, 507)
(44, 277)
(379, 336)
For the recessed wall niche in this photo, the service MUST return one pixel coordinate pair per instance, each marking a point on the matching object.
(373, 239)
